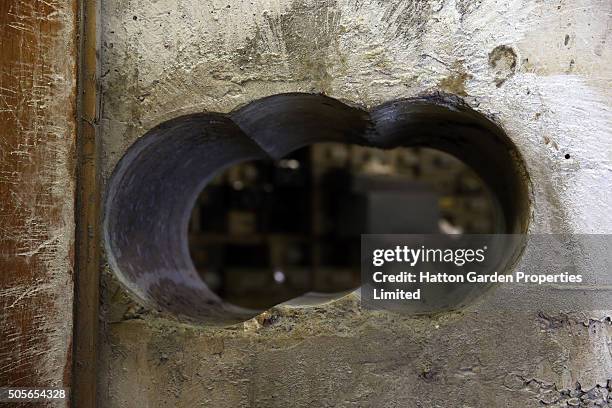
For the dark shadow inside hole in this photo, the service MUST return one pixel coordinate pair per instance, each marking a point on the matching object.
(267, 231)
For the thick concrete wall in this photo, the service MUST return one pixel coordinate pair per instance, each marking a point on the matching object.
(540, 70)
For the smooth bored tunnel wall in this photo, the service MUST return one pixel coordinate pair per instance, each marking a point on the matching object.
(147, 210)
(153, 188)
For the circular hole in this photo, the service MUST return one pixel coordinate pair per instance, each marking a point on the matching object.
(153, 191)
(567, 156)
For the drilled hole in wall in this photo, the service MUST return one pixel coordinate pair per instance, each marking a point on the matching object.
(267, 231)
(155, 187)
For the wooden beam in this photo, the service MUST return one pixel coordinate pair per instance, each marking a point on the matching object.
(88, 204)
(37, 191)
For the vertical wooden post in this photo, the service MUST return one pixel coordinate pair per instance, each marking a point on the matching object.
(38, 72)
(87, 216)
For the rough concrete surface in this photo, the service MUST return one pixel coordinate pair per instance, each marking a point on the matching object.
(542, 70)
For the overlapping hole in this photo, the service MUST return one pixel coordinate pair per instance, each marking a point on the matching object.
(152, 239)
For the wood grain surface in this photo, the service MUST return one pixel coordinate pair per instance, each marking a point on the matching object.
(37, 191)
